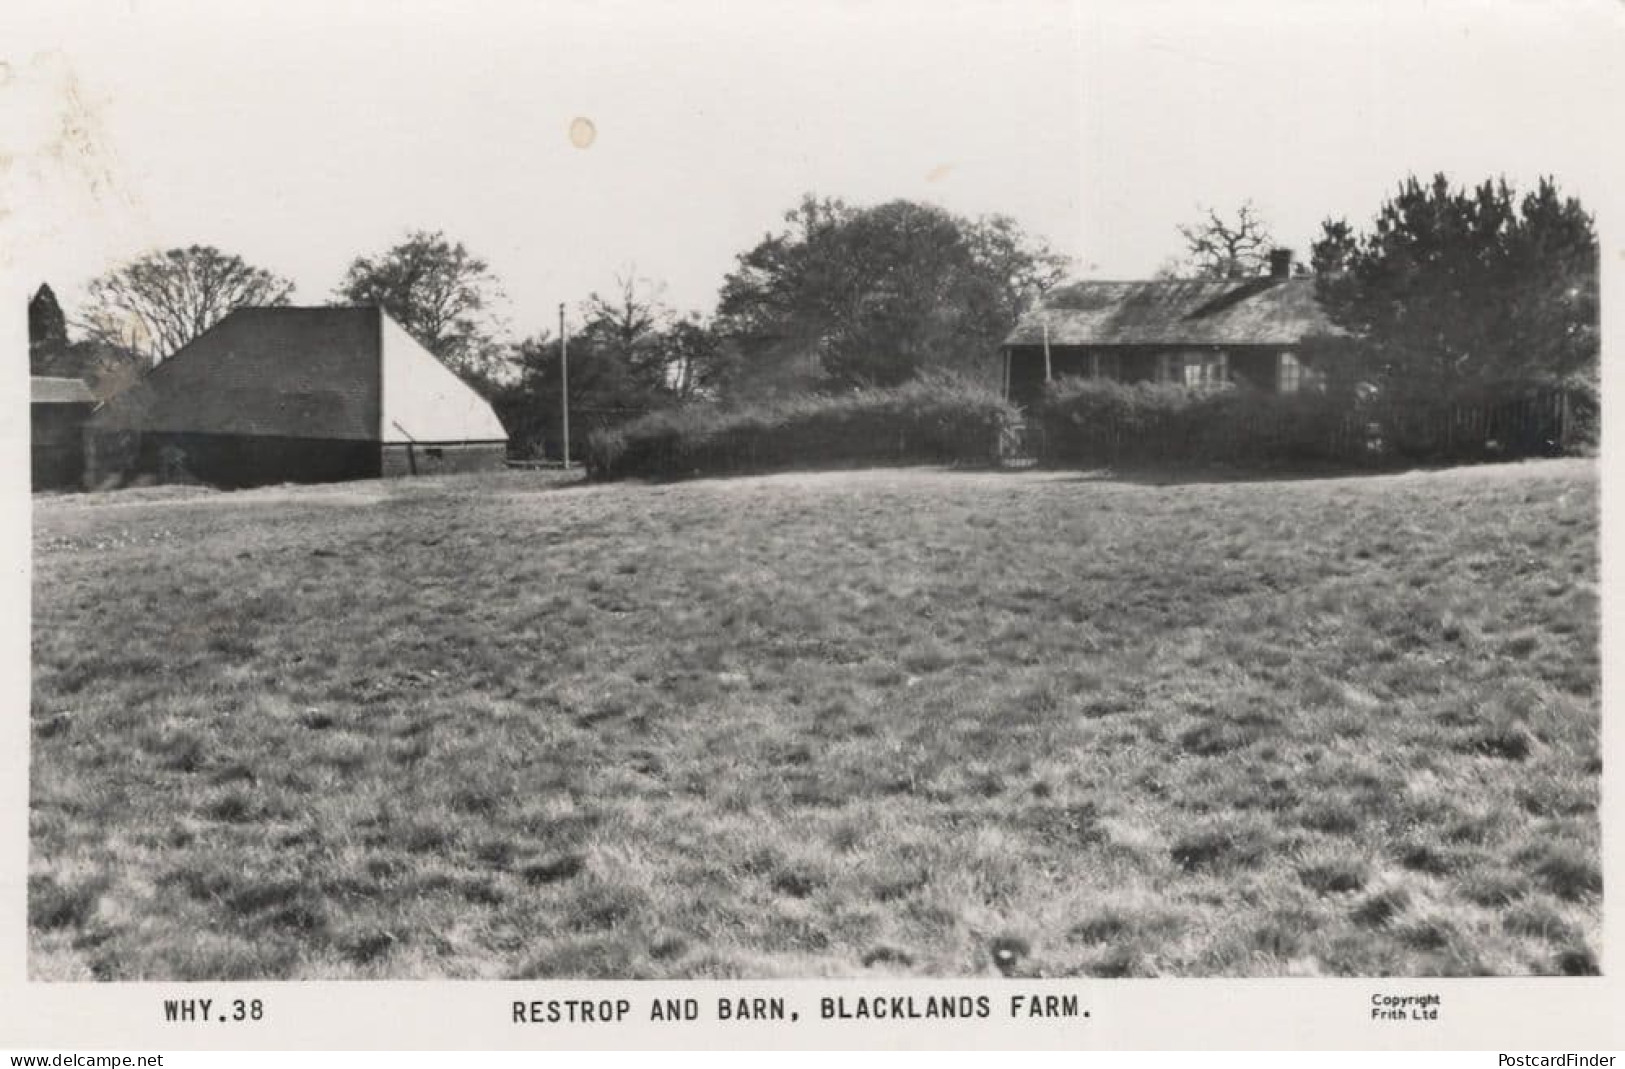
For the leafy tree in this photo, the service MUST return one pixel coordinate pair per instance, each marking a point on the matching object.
(631, 355)
(1455, 287)
(627, 331)
(528, 406)
(157, 303)
(846, 296)
(441, 293)
(106, 368)
(1338, 242)
(776, 307)
(698, 363)
(1217, 247)
(658, 353)
(47, 334)
(602, 393)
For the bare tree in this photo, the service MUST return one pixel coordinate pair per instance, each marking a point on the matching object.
(1219, 247)
(153, 305)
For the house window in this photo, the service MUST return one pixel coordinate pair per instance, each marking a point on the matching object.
(1288, 374)
(1293, 375)
(1207, 369)
(1194, 369)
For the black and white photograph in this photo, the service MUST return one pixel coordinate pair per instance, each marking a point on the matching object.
(1003, 493)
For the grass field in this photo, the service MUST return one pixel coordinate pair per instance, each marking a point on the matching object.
(893, 722)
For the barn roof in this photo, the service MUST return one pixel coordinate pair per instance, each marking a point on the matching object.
(47, 390)
(303, 373)
(1257, 311)
(285, 372)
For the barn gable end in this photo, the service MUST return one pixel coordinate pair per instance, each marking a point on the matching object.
(424, 401)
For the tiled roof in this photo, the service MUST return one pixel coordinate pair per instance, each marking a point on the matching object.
(287, 372)
(1261, 311)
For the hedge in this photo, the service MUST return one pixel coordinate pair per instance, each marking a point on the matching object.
(935, 420)
(1093, 421)
(1106, 423)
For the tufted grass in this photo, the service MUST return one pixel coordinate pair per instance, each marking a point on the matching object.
(862, 723)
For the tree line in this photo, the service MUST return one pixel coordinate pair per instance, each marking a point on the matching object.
(1450, 290)
(839, 296)
(1455, 289)
(1446, 287)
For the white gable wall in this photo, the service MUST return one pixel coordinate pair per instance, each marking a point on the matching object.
(425, 401)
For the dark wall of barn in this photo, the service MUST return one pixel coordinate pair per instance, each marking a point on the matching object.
(57, 446)
(419, 458)
(231, 461)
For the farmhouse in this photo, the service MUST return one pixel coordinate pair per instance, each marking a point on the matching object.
(58, 409)
(297, 395)
(1195, 332)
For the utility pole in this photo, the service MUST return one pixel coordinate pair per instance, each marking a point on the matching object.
(564, 383)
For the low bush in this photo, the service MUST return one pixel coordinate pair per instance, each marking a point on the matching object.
(1082, 421)
(933, 420)
(1104, 422)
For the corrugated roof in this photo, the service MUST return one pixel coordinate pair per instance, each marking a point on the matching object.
(46, 390)
(1260, 311)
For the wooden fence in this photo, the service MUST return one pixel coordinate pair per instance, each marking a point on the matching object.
(1541, 423)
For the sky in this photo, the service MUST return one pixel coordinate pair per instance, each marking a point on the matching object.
(301, 135)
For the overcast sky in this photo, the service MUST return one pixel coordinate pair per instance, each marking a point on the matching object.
(305, 133)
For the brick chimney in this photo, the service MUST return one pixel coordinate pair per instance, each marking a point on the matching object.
(1280, 263)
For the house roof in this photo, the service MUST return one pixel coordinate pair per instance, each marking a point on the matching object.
(47, 390)
(1256, 311)
(301, 373)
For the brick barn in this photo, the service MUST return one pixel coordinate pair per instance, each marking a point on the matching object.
(1195, 332)
(58, 409)
(271, 395)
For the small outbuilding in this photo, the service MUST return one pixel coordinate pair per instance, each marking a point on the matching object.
(58, 409)
(1194, 332)
(272, 395)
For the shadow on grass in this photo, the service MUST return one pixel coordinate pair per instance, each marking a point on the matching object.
(766, 471)
(345, 491)
(1166, 474)
(544, 480)
(1194, 474)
